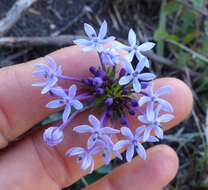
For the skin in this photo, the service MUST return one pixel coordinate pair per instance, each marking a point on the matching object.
(30, 164)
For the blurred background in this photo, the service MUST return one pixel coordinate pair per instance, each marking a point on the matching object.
(33, 28)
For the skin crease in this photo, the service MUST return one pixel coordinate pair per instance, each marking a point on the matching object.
(31, 164)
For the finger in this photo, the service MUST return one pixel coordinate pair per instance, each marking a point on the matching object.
(21, 105)
(140, 175)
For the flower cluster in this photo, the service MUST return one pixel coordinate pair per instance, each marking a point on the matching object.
(116, 89)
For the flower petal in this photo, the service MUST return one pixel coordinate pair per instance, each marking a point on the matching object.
(72, 91)
(165, 118)
(143, 100)
(125, 80)
(55, 103)
(77, 104)
(86, 163)
(120, 144)
(132, 37)
(147, 133)
(152, 139)
(82, 42)
(51, 62)
(146, 46)
(166, 106)
(141, 151)
(158, 132)
(130, 56)
(75, 151)
(136, 85)
(66, 113)
(58, 91)
(150, 113)
(89, 30)
(143, 119)
(146, 76)
(128, 66)
(163, 90)
(94, 121)
(83, 129)
(103, 30)
(127, 132)
(130, 152)
(109, 130)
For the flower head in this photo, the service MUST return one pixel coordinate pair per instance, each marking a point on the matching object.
(133, 142)
(50, 72)
(153, 121)
(135, 76)
(136, 49)
(97, 130)
(110, 56)
(53, 136)
(65, 99)
(84, 156)
(95, 41)
(151, 97)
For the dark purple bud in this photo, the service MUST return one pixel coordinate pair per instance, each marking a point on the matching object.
(86, 81)
(97, 81)
(144, 85)
(131, 111)
(134, 103)
(123, 120)
(99, 91)
(122, 72)
(109, 101)
(93, 70)
(101, 74)
(109, 113)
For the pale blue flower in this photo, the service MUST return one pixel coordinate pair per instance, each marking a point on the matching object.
(135, 49)
(53, 136)
(135, 76)
(51, 72)
(95, 41)
(133, 142)
(153, 121)
(84, 156)
(65, 99)
(97, 130)
(110, 56)
(151, 97)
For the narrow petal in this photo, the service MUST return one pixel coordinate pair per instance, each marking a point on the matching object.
(66, 113)
(83, 129)
(136, 85)
(128, 66)
(72, 91)
(91, 141)
(152, 139)
(132, 37)
(82, 42)
(77, 104)
(107, 40)
(125, 80)
(89, 30)
(146, 46)
(86, 163)
(150, 113)
(140, 65)
(107, 157)
(166, 106)
(55, 103)
(166, 118)
(40, 84)
(94, 121)
(163, 90)
(140, 130)
(75, 151)
(51, 62)
(141, 151)
(130, 55)
(39, 73)
(143, 118)
(147, 133)
(130, 152)
(146, 76)
(59, 92)
(158, 132)
(122, 47)
(143, 100)
(49, 85)
(127, 132)
(120, 144)
(109, 130)
(103, 30)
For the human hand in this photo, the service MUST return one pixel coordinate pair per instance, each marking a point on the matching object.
(31, 164)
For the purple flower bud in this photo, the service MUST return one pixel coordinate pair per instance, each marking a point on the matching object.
(97, 81)
(53, 136)
(93, 70)
(109, 113)
(109, 101)
(131, 111)
(134, 103)
(99, 91)
(122, 72)
(86, 81)
(102, 74)
(123, 120)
